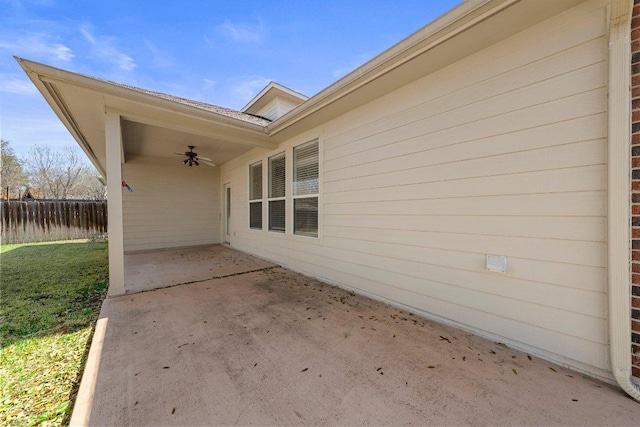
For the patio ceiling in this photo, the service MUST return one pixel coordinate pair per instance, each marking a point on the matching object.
(145, 140)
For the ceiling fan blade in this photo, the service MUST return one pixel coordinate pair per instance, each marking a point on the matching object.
(204, 158)
(206, 162)
(178, 154)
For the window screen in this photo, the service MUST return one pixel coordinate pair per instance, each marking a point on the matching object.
(277, 185)
(305, 169)
(255, 196)
(255, 180)
(277, 215)
(305, 189)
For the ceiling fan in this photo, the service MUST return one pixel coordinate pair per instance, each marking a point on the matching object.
(192, 158)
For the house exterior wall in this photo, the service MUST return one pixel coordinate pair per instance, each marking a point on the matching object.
(635, 188)
(171, 205)
(501, 153)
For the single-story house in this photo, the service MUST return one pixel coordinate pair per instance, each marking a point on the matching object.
(480, 173)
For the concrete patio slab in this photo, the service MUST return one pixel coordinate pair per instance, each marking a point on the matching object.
(276, 348)
(161, 268)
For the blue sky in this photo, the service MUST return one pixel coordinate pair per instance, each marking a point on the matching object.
(221, 52)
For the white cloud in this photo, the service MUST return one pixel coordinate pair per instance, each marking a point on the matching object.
(160, 58)
(245, 33)
(15, 85)
(105, 49)
(245, 90)
(88, 36)
(37, 46)
(209, 84)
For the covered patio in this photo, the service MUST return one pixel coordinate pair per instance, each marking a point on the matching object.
(258, 344)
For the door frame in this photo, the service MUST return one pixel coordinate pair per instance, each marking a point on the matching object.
(226, 213)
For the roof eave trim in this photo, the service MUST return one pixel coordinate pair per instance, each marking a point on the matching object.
(52, 75)
(267, 88)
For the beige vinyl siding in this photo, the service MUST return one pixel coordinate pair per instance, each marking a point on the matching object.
(171, 205)
(501, 153)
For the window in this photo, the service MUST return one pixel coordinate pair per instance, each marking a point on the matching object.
(305, 189)
(277, 180)
(255, 196)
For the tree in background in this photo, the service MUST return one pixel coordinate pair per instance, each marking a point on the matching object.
(13, 177)
(89, 186)
(62, 175)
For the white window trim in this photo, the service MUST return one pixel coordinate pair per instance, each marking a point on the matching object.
(289, 198)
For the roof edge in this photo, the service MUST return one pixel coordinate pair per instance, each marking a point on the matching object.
(48, 74)
(267, 88)
(457, 20)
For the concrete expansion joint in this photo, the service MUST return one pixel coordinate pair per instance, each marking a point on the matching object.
(204, 280)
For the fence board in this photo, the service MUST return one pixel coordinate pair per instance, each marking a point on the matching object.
(49, 220)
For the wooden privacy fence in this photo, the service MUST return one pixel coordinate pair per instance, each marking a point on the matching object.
(48, 220)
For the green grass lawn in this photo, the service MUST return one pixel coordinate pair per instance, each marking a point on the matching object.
(50, 298)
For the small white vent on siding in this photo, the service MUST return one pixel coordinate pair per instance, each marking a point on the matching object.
(497, 263)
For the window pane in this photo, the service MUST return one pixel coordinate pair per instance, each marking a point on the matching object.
(277, 176)
(255, 215)
(305, 169)
(305, 216)
(276, 215)
(255, 181)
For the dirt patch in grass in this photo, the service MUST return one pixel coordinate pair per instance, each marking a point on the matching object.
(51, 296)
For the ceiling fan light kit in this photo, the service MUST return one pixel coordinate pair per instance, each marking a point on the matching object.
(192, 158)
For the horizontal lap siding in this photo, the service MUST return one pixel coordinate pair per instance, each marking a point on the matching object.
(513, 163)
(501, 153)
(171, 205)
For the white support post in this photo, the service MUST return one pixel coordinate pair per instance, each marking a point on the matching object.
(114, 154)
